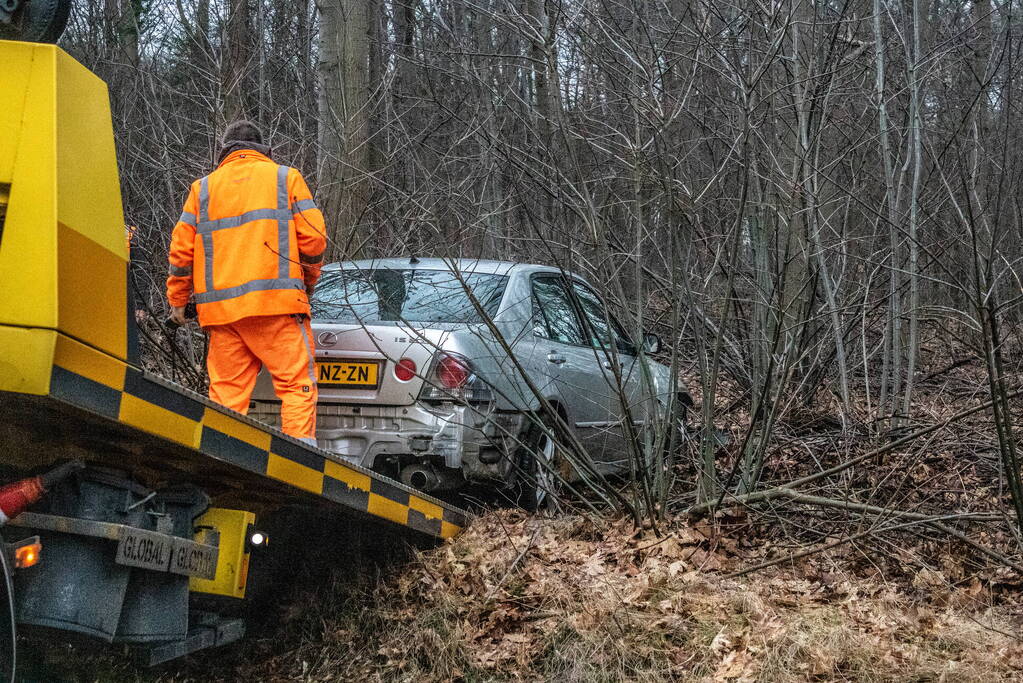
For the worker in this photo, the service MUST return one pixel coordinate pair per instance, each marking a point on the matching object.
(248, 247)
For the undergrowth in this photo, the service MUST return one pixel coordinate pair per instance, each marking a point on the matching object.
(527, 598)
(519, 598)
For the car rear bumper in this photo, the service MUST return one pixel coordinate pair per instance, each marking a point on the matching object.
(472, 439)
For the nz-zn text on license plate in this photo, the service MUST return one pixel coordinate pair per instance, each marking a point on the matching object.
(345, 373)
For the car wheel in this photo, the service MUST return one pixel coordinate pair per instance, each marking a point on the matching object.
(537, 482)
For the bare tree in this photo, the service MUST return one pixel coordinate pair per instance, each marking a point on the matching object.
(811, 203)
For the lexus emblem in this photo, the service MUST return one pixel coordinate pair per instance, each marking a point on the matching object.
(327, 338)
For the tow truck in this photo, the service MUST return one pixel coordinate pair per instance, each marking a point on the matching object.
(133, 503)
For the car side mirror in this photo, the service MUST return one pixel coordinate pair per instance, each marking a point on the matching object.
(539, 332)
(651, 342)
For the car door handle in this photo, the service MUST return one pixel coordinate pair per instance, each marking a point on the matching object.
(555, 358)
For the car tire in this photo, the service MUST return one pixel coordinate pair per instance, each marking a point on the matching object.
(537, 485)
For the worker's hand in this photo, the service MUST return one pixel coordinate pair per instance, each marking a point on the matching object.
(177, 315)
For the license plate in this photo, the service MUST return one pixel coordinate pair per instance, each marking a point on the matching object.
(162, 553)
(144, 549)
(194, 559)
(347, 373)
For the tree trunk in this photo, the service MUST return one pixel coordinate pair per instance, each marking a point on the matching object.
(344, 160)
(236, 84)
(891, 366)
(916, 153)
(122, 30)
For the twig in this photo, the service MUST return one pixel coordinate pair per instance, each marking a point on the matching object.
(497, 586)
(855, 537)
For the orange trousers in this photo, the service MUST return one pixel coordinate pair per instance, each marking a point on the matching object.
(282, 343)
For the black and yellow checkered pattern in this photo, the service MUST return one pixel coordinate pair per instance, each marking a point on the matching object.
(66, 325)
(101, 384)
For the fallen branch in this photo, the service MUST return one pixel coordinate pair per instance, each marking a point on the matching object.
(855, 537)
(780, 491)
(796, 497)
(958, 363)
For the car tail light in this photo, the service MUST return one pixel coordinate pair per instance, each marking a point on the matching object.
(452, 372)
(405, 369)
(453, 378)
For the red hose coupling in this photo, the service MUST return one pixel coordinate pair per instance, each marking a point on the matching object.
(14, 498)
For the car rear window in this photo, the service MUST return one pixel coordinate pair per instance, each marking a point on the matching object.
(391, 294)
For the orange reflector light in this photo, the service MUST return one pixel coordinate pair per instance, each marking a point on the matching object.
(27, 555)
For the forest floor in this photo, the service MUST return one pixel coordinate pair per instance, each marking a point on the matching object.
(519, 598)
(532, 598)
(577, 598)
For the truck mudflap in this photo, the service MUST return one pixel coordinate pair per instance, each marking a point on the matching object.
(136, 547)
(116, 560)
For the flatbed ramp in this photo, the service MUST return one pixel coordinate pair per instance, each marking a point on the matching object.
(100, 409)
(71, 384)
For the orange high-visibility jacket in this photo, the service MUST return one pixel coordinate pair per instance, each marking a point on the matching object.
(249, 242)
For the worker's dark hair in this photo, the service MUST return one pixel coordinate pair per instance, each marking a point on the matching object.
(243, 131)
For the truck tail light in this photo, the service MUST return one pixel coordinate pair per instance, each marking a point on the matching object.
(27, 555)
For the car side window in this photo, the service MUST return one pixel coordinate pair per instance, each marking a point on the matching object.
(555, 311)
(599, 333)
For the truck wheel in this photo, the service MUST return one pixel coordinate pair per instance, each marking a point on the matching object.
(36, 21)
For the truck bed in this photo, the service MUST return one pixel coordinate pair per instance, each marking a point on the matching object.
(102, 410)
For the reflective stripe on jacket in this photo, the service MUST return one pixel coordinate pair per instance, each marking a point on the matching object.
(249, 242)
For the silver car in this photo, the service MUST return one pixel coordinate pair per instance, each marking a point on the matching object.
(434, 370)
